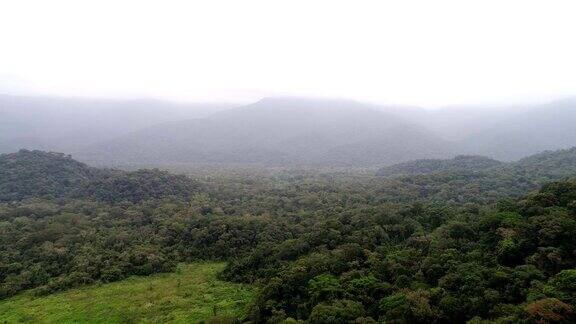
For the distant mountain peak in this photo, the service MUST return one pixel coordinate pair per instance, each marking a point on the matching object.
(306, 103)
(307, 100)
(282, 130)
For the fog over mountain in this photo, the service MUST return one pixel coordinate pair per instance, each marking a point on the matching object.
(68, 124)
(544, 127)
(279, 131)
(460, 122)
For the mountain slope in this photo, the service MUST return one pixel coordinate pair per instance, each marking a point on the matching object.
(548, 165)
(460, 122)
(67, 124)
(37, 174)
(279, 131)
(479, 185)
(546, 127)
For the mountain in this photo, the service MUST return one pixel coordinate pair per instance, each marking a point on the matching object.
(547, 165)
(544, 127)
(37, 174)
(279, 131)
(68, 124)
(461, 163)
(34, 173)
(440, 180)
(544, 166)
(457, 123)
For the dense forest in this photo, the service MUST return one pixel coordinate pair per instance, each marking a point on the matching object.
(37, 174)
(434, 241)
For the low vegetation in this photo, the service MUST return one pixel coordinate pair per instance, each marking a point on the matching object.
(189, 295)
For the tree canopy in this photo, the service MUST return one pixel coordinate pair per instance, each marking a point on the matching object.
(323, 247)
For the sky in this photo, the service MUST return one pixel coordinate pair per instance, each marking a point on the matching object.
(427, 53)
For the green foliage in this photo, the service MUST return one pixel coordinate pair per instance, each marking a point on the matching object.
(189, 295)
(322, 246)
(324, 287)
(340, 311)
(563, 286)
(34, 174)
(451, 182)
(461, 163)
(486, 264)
(394, 306)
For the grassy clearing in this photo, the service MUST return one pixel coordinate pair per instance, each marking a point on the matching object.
(190, 295)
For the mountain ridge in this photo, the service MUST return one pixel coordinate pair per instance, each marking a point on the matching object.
(38, 174)
(283, 131)
(68, 124)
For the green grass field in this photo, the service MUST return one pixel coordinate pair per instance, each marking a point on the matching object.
(189, 295)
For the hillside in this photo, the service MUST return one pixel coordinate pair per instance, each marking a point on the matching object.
(460, 163)
(544, 127)
(68, 124)
(548, 165)
(457, 123)
(483, 185)
(190, 295)
(279, 131)
(38, 174)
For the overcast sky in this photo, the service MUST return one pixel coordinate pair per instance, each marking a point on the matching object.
(427, 53)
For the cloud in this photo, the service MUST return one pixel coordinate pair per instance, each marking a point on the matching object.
(416, 52)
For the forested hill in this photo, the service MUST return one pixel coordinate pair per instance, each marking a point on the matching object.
(548, 164)
(35, 173)
(38, 174)
(471, 163)
(544, 127)
(447, 181)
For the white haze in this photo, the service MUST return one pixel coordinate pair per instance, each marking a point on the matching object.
(428, 53)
